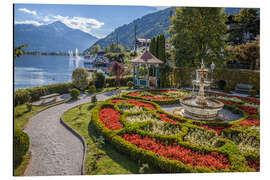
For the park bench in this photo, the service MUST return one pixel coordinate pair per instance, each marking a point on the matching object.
(43, 98)
(243, 88)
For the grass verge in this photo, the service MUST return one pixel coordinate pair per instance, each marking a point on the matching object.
(21, 117)
(101, 157)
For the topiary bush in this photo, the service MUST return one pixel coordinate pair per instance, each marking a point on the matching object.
(21, 145)
(221, 84)
(74, 93)
(94, 99)
(99, 80)
(130, 84)
(21, 96)
(92, 89)
(79, 78)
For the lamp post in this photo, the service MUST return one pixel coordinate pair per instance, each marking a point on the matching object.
(212, 70)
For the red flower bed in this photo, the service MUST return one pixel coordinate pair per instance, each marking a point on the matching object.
(163, 91)
(218, 129)
(110, 118)
(157, 98)
(226, 101)
(250, 122)
(134, 94)
(217, 94)
(254, 164)
(248, 109)
(176, 152)
(164, 117)
(250, 100)
(141, 104)
(117, 100)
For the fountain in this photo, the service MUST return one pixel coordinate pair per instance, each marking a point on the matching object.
(199, 107)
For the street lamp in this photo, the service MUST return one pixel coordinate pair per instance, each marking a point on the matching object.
(212, 69)
(212, 66)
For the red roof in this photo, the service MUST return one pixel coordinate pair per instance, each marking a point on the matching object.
(146, 58)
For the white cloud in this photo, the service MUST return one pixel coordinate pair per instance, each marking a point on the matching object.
(36, 23)
(81, 23)
(158, 8)
(28, 11)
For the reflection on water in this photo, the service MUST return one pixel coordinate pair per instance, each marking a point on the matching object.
(32, 70)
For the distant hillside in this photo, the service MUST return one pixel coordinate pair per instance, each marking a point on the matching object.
(148, 26)
(54, 37)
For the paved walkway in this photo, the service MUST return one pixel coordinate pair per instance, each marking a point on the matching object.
(55, 150)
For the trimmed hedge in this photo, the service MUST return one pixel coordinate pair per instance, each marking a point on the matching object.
(22, 96)
(123, 82)
(226, 147)
(21, 145)
(231, 76)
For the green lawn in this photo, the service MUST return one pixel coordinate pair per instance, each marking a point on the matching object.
(100, 159)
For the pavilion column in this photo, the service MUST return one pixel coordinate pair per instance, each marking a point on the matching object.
(137, 67)
(148, 74)
(133, 66)
(156, 74)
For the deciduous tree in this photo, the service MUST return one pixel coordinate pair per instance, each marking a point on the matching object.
(198, 33)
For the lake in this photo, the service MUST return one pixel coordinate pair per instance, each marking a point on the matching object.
(35, 70)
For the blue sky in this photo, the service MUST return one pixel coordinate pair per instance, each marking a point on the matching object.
(96, 20)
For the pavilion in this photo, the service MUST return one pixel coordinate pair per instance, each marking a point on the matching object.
(149, 61)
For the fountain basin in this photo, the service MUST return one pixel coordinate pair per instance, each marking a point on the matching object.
(207, 112)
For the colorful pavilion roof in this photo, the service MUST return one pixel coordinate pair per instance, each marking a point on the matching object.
(146, 58)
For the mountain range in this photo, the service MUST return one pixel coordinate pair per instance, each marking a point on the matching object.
(57, 37)
(147, 27)
(54, 37)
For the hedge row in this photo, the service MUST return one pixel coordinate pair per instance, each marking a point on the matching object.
(231, 76)
(22, 96)
(228, 148)
(32, 94)
(21, 145)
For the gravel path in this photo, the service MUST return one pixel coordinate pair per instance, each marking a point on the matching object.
(54, 149)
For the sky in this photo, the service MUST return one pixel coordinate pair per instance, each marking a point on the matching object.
(97, 20)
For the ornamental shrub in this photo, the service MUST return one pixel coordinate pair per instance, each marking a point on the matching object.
(21, 96)
(94, 99)
(92, 89)
(130, 84)
(99, 80)
(74, 93)
(21, 145)
(29, 106)
(253, 92)
(79, 78)
(227, 89)
(37, 92)
(221, 84)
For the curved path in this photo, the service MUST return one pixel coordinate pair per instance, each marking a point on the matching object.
(54, 149)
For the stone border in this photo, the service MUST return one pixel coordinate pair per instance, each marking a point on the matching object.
(75, 133)
(27, 166)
